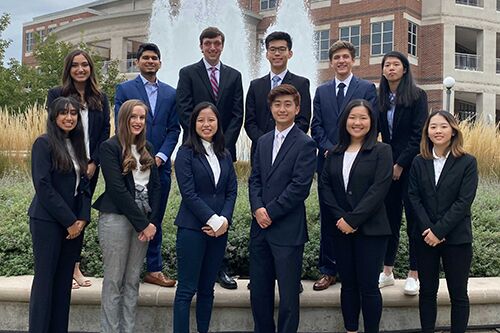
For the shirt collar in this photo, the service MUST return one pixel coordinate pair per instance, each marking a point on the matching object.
(208, 66)
(346, 81)
(145, 81)
(284, 132)
(281, 75)
(207, 145)
(439, 157)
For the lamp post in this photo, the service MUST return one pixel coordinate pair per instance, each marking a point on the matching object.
(448, 83)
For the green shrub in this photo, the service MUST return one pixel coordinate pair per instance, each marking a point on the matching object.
(16, 257)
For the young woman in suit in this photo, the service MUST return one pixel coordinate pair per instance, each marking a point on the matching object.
(443, 183)
(403, 110)
(128, 214)
(58, 213)
(208, 185)
(353, 184)
(79, 81)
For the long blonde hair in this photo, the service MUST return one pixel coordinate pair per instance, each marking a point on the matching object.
(127, 139)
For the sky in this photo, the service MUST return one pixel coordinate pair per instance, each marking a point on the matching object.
(22, 11)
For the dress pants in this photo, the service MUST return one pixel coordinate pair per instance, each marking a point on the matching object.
(154, 261)
(199, 257)
(359, 258)
(54, 259)
(123, 255)
(270, 262)
(93, 184)
(326, 262)
(396, 198)
(456, 260)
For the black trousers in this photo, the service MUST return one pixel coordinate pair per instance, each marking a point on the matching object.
(54, 258)
(456, 261)
(359, 258)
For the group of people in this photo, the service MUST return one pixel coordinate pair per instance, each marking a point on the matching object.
(363, 185)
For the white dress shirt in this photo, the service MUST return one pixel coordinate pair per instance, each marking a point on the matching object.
(279, 138)
(140, 177)
(209, 70)
(84, 113)
(347, 81)
(75, 164)
(280, 75)
(439, 162)
(215, 221)
(349, 157)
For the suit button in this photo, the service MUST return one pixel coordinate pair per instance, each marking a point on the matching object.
(350, 192)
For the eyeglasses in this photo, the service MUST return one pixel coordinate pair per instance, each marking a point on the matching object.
(281, 49)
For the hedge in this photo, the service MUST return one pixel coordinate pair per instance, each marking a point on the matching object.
(16, 256)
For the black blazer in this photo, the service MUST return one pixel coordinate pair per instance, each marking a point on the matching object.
(194, 87)
(200, 197)
(98, 123)
(258, 117)
(283, 186)
(119, 193)
(55, 199)
(362, 205)
(406, 130)
(445, 207)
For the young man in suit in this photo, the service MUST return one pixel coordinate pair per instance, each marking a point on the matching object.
(329, 102)
(258, 118)
(282, 172)
(163, 130)
(209, 80)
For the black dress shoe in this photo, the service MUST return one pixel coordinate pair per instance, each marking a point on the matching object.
(225, 281)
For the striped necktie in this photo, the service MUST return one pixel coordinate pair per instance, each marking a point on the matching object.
(276, 81)
(213, 81)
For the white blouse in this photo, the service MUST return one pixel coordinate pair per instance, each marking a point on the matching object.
(140, 177)
(84, 113)
(349, 157)
(215, 221)
(439, 162)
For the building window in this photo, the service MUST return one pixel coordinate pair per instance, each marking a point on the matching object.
(42, 34)
(412, 39)
(29, 41)
(51, 29)
(475, 3)
(382, 37)
(267, 4)
(322, 40)
(351, 34)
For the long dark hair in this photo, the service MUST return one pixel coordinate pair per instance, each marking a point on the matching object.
(407, 91)
(194, 141)
(61, 158)
(344, 136)
(93, 94)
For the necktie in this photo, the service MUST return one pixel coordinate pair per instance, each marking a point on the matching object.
(213, 81)
(277, 145)
(390, 112)
(340, 96)
(276, 81)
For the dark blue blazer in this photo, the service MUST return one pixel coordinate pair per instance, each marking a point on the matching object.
(162, 128)
(200, 197)
(194, 87)
(55, 199)
(445, 208)
(283, 186)
(119, 193)
(98, 123)
(324, 125)
(362, 205)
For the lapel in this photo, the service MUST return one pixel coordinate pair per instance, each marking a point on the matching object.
(202, 73)
(287, 79)
(446, 169)
(398, 113)
(205, 163)
(142, 91)
(285, 147)
(267, 154)
(158, 101)
(223, 78)
(429, 168)
(353, 85)
(332, 97)
(92, 118)
(359, 156)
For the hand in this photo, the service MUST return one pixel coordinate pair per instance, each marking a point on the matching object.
(81, 224)
(262, 218)
(326, 153)
(396, 171)
(148, 233)
(223, 228)
(158, 161)
(430, 238)
(208, 230)
(343, 226)
(91, 169)
(74, 230)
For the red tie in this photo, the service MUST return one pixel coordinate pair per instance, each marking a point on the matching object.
(213, 81)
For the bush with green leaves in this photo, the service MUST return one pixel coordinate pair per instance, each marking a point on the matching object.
(16, 256)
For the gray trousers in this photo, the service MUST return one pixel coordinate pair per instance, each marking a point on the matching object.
(123, 256)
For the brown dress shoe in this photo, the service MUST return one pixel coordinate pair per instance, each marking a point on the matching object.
(324, 282)
(159, 279)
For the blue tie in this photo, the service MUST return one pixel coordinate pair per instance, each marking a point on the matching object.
(276, 81)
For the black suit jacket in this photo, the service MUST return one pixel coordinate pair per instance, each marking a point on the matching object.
(406, 130)
(283, 186)
(55, 199)
(98, 123)
(362, 205)
(258, 117)
(194, 87)
(445, 208)
(119, 193)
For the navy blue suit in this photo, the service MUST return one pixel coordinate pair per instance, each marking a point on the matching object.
(54, 208)
(162, 130)
(199, 256)
(276, 252)
(325, 131)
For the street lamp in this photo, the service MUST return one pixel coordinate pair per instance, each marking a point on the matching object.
(448, 83)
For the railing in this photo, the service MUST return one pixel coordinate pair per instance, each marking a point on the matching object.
(467, 61)
(465, 111)
(475, 3)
